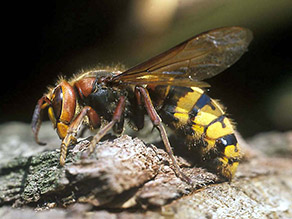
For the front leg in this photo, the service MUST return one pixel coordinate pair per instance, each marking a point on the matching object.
(117, 118)
(157, 122)
(74, 127)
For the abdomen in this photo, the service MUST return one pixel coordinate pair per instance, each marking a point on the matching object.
(203, 123)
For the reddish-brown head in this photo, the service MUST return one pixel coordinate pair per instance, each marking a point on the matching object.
(62, 104)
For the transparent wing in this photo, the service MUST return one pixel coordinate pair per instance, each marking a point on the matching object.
(196, 59)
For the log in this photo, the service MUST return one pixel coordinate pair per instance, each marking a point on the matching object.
(125, 178)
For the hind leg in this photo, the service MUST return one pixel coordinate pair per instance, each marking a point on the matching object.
(157, 122)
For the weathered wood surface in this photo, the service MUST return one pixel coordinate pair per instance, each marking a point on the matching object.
(126, 178)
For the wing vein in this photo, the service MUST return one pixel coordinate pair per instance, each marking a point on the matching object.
(197, 58)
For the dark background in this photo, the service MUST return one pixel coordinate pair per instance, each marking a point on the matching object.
(49, 38)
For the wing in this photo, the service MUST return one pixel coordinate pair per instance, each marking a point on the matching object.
(195, 59)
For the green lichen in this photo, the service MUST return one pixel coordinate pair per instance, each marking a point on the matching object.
(29, 178)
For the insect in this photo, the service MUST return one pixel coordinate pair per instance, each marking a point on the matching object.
(168, 88)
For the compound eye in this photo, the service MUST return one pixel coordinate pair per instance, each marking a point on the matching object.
(57, 100)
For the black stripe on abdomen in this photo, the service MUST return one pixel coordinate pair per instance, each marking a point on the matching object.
(226, 140)
(201, 102)
(218, 119)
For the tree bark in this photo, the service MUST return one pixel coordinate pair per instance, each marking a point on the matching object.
(126, 178)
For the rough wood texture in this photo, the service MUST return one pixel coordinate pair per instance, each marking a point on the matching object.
(126, 174)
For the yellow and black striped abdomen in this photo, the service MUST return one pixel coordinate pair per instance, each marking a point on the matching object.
(203, 122)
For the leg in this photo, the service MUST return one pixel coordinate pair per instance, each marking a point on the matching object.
(118, 114)
(156, 120)
(136, 118)
(74, 127)
(37, 117)
(119, 125)
(139, 116)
